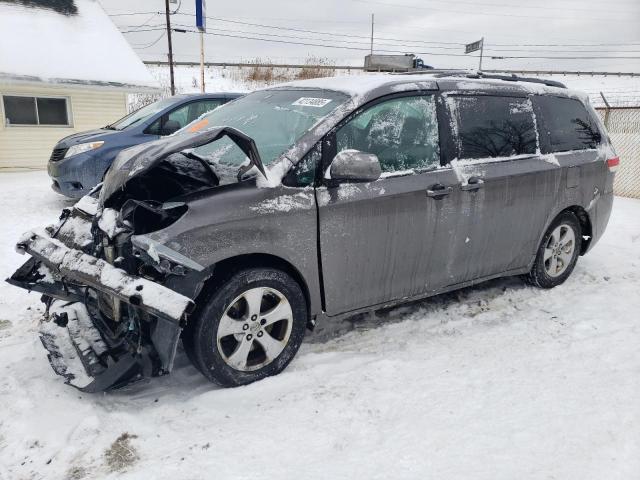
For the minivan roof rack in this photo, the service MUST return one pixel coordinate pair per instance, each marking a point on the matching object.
(467, 74)
(515, 78)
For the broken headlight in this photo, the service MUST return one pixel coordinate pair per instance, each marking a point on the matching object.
(149, 216)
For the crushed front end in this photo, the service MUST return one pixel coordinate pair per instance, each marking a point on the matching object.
(107, 322)
(114, 311)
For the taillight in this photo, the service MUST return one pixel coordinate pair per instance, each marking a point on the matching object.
(613, 163)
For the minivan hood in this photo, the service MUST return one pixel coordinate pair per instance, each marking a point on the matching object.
(134, 161)
(84, 137)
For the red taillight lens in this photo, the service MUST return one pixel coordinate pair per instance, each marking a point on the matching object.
(613, 163)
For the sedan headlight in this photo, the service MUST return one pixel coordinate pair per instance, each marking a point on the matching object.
(82, 147)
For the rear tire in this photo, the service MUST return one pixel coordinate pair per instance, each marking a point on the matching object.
(558, 252)
(249, 328)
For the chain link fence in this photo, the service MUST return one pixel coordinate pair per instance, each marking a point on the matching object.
(623, 125)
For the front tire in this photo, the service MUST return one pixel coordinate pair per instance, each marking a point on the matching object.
(558, 252)
(250, 328)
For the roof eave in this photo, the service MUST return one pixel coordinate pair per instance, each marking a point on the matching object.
(70, 82)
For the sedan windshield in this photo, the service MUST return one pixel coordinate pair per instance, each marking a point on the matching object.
(142, 114)
(274, 119)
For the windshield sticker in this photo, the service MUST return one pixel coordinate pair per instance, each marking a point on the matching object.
(311, 102)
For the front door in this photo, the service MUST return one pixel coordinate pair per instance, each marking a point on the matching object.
(389, 239)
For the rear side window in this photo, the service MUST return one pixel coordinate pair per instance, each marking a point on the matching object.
(490, 126)
(567, 124)
(198, 108)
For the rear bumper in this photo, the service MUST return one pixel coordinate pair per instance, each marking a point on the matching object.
(83, 345)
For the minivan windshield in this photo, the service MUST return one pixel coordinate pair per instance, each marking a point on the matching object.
(142, 114)
(274, 119)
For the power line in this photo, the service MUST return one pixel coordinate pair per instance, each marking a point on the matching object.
(503, 57)
(318, 32)
(490, 48)
(142, 24)
(566, 44)
(474, 12)
(405, 41)
(386, 38)
(507, 5)
(151, 29)
(407, 46)
(131, 14)
(141, 47)
(320, 39)
(290, 42)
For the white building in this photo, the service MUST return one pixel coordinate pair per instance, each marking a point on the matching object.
(64, 68)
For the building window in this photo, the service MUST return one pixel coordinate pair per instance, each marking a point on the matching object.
(20, 110)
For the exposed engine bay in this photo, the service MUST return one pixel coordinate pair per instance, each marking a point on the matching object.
(110, 319)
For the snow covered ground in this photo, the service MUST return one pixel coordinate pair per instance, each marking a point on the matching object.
(501, 381)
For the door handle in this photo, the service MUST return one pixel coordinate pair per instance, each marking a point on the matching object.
(474, 183)
(438, 190)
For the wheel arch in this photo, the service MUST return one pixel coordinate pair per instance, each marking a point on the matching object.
(222, 270)
(585, 225)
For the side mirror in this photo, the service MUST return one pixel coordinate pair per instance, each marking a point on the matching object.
(355, 166)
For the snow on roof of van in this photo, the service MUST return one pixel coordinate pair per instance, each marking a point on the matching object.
(359, 85)
(355, 85)
(67, 42)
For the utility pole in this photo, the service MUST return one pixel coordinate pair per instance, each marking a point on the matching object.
(167, 13)
(481, 52)
(372, 34)
(201, 61)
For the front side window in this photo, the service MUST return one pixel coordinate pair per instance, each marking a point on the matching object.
(402, 133)
(568, 124)
(180, 117)
(19, 110)
(491, 126)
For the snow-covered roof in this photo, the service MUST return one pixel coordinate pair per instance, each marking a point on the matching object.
(356, 84)
(359, 85)
(41, 44)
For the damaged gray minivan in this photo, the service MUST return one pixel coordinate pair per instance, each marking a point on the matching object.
(311, 200)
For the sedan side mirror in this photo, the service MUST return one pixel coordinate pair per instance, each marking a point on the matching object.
(355, 166)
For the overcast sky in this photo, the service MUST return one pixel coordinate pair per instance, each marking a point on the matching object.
(434, 29)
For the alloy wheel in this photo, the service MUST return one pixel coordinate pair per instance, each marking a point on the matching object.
(254, 329)
(558, 251)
